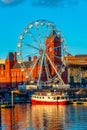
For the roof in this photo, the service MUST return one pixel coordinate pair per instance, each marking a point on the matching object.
(78, 65)
(26, 63)
(81, 55)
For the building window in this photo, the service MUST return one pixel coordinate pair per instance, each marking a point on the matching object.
(80, 60)
(58, 98)
(56, 49)
(14, 74)
(2, 72)
(17, 73)
(20, 73)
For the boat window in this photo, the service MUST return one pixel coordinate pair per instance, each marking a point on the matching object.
(43, 97)
(62, 97)
(48, 97)
(54, 98)
(58, 98)
(67, 97)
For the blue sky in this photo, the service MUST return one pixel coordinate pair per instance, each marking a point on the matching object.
(70, 16)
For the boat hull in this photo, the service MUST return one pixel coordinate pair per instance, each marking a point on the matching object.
(38, 102)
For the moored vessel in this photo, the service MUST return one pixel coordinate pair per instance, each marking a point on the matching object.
(50, 98)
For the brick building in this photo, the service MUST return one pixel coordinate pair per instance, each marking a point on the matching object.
(77, 70)
(11, 73)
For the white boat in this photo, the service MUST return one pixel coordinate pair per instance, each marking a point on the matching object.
(50, 98)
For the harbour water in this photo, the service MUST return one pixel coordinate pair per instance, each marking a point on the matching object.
(41, 117)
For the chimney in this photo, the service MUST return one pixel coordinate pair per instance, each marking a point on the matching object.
(29, 58)
(35, 58)
(15, 56)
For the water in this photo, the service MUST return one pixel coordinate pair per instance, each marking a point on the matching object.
(41, 117)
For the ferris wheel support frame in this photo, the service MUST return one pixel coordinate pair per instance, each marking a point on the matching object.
(32, 69)
(47, 70)
(38, 82)
(59, 77)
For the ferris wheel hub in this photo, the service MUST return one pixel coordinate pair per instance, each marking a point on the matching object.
(41, 52)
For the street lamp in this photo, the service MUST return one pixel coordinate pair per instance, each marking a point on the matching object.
(12, 98)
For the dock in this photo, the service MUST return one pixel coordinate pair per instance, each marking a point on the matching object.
(79, 101)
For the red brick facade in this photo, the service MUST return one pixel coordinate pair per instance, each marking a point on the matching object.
(11, 74)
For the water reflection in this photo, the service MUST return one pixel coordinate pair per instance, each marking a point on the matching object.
(14, 119)
(41, 117)
(37, 117)
(48, 117)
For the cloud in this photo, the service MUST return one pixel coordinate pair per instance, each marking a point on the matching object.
(10, 2)
(45, 3)
(55, 3)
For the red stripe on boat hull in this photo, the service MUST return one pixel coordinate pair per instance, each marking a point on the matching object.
(34, 102)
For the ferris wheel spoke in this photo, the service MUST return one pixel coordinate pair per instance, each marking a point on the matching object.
(54, 36)
(50, 42)
(62, 68)
(42, 58)
(27, 44)
(47, 69)
(58, 57)
(22, 66)
(29, 74)
(47, 73)
(59, 77)
(33, 38)
(56, 47)
(39, 34)
(46, 33)
(51, 49)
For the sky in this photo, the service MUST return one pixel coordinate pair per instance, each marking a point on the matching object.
(70, 17)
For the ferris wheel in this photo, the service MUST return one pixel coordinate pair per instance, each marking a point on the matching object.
(41, 51)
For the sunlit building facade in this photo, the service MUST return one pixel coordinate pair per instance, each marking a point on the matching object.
(77, 70)
(11, 74)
